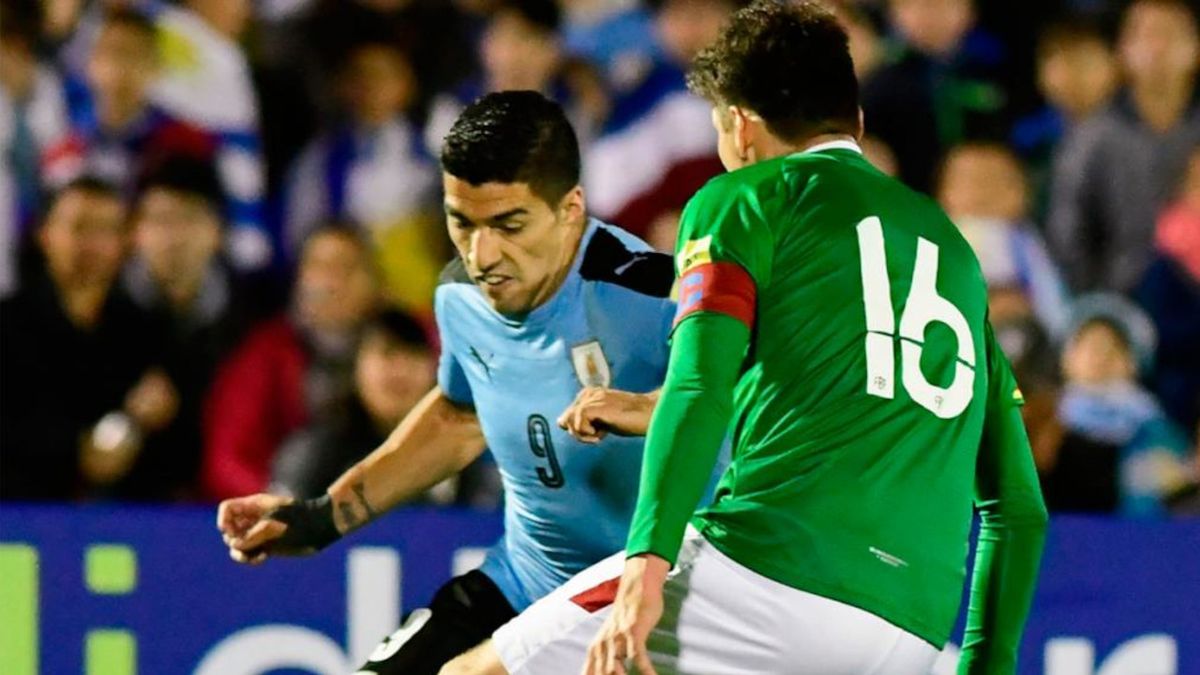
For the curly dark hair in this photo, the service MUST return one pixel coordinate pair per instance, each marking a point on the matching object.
(787, 60)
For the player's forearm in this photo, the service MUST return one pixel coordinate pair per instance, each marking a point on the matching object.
(434, 442)
(686, 431)
(1006, 566)
(1009, 550)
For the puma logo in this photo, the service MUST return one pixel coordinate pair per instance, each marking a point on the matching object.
(487, 368)
(637, 257)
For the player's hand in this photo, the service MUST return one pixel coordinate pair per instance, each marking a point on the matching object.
(597, 411)
(636, 611)
(248, 529)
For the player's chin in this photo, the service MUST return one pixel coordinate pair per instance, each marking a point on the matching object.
(506, 298)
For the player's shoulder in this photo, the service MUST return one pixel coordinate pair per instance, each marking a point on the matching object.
(455, 272)
(614, 256)
(456, 292)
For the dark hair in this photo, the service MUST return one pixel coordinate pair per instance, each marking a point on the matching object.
(187, 175)
(90, 184)
(399, 327)
(544, 14)
(1119, 331)
(373, 36)
(1069, 32)
(978, 145)
(21, 22)
(657, 6)
(133, 19)
(787, 61)
(514, 137)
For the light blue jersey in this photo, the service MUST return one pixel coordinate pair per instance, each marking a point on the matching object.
(567, 504)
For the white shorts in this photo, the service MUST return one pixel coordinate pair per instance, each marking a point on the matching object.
(720, 618)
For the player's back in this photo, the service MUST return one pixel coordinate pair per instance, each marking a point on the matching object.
(858, 416)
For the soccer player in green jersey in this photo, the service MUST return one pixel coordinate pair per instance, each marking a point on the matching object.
(836, 322)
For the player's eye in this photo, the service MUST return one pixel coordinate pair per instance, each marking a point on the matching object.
(511, 226)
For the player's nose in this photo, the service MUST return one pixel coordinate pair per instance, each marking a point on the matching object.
(485, 248)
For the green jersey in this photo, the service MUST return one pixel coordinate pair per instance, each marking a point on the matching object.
(860, 406)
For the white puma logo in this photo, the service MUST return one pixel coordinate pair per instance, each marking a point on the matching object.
(636, 258)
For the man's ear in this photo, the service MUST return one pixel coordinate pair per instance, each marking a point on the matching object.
(573, 205)
(743, 133)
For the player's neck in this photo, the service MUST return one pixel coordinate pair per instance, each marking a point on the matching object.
(769, 146)
(556, 280)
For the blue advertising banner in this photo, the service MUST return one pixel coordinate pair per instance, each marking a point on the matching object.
(151, 591)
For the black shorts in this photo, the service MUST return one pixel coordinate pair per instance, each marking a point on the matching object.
(464, 612)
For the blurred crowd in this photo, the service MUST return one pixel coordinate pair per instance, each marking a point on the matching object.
(220, 220)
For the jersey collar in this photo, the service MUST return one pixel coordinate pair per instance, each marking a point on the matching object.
(834, 145)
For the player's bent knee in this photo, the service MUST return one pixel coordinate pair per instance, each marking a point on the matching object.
(482, 660)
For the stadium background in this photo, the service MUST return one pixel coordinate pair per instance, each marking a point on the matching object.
(275, 270)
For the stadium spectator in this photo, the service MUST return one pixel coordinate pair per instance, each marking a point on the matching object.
(1118, 451)
(394, 368)
(657, 147)
(122, 135)
(946, 85)
(292, 370)
(521, 49)
(205, 80)
(372, 169)
(1170, 293)
(1077, 74)
(983, 189)
(867, 48)
(1116, 171)
(178, 271)
(33, 116)
(80, 385)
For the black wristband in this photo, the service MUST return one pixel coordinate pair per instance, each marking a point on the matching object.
(309, 525)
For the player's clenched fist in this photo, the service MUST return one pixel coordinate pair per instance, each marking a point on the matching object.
(246, 525)
(260, 525)
(597, 411)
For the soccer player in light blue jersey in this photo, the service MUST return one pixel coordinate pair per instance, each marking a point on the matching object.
(554, 333)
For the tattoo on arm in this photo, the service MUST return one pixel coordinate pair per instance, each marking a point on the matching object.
(356, 516)
(360, 491)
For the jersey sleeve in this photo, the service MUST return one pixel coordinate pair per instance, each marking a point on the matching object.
(451, 377)
(724, 252)
(686, 431)
(1012, 528)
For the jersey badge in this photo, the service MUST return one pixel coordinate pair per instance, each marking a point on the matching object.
(694, 252)
(591, 367)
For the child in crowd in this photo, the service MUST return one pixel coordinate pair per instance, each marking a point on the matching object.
(1118, 451)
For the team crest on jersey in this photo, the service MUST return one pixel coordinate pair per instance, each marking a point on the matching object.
(694, 252)
(591, 367)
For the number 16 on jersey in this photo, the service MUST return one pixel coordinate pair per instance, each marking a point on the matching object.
(922, 307)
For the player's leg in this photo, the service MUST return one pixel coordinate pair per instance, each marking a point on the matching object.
(463, 613)
(719, 619)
